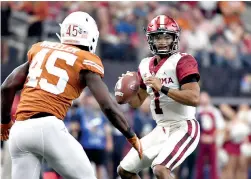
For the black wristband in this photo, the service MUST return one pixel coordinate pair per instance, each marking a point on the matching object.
(164, 90)
(129, 133)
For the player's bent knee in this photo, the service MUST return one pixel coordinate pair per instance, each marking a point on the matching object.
(123, 173)
(160, 171)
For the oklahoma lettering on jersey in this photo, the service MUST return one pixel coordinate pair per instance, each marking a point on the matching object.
(53, 79)
(171, 71)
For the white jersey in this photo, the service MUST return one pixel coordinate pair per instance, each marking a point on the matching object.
(171, 71)
(210, 118)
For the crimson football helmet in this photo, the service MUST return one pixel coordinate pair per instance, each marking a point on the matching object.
(163, 25)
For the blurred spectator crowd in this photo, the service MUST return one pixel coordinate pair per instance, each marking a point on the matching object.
(216, 33)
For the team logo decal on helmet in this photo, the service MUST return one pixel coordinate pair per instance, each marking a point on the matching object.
(79, 28)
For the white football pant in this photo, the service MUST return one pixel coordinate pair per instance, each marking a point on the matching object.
(46, 138)
(166, 145)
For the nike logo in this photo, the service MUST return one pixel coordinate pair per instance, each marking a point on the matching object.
(64, 130)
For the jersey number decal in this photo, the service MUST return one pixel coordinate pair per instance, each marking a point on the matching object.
(35, 70)
(158, 110)
(72, 30)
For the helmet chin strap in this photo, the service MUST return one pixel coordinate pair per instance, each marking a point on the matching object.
(166, 53)
(162, 52)
(58, 34)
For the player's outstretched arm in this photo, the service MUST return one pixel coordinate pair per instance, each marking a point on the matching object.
(138, 99)
(13, 83)
(109, 106)
(188, 95)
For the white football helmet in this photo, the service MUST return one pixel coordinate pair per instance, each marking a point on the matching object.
(79, 28)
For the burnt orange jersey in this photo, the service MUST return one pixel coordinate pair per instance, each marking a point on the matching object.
(53, 80)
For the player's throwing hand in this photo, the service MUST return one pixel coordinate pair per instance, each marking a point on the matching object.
(154, 82)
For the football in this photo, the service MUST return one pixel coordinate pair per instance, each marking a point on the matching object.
(126, 87)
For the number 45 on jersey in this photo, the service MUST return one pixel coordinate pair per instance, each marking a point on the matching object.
(36, 69)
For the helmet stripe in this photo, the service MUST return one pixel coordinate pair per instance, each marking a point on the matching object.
(162, 21)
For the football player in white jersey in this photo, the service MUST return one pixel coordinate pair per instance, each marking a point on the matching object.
(170, 78)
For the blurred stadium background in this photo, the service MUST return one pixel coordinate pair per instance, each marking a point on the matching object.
(217, 34)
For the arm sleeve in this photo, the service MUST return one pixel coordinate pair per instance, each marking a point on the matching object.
(94, 65)
(186, 66)
(35, 48)
(189, 79)
(142, 84)
(29, 56)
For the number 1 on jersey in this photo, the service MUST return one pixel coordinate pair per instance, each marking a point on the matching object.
(158, 110)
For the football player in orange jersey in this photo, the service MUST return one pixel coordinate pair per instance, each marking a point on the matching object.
(54, 75)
